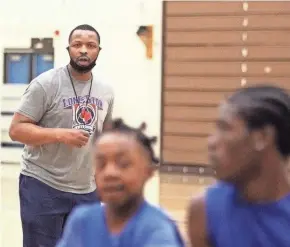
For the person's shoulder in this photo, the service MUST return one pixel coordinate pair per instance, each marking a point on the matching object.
(49, 75)
(163, 229)
(158, 212)
(216, 192)
(83, 212)
(218, 199)
(104, 87)
(215, 197)
(48, 78)
(202, 209)
(161, 217)
(219, 191)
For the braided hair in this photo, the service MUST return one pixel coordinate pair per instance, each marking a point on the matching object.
(264, 105)
(118, 125)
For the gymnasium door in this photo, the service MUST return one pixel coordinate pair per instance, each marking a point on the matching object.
(209, 50)
(18, 68)
(42, 63)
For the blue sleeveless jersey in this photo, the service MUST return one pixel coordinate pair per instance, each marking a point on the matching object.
(233, 222)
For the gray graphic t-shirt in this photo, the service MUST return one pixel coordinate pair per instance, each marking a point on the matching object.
(50, 101)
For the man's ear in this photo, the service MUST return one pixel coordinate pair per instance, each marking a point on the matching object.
(264, 137)
(151, 172)
(270, 135)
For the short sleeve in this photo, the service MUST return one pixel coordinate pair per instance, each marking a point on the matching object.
(110, 110)
(72, 235)
(34, 102)
(166, 236)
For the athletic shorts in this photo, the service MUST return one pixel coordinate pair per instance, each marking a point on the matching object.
(44, 211)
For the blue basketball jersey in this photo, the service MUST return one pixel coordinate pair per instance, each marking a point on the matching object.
(233, 222)
(150, 226)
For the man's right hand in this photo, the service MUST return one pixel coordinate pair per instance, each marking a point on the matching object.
(73, 137)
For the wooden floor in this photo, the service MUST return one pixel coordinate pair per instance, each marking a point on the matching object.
(175, 193)
(10, 226)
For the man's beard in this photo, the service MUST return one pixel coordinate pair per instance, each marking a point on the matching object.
(82, 69)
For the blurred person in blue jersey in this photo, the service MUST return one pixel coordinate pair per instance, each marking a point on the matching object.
(123, 158)
(250, 203)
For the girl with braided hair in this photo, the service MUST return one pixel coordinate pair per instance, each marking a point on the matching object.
(124, 160)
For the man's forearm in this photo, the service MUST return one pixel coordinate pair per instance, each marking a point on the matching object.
(31, 134)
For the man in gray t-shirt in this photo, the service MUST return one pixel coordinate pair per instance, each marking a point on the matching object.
(58, 113)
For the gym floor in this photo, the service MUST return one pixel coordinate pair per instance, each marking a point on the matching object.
(10, 235)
